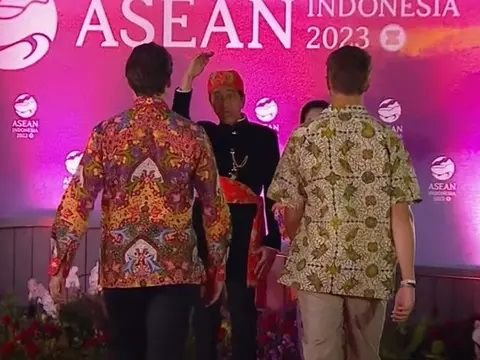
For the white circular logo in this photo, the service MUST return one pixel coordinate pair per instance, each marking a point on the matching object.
(25, 106)
(27, 27)
(72, 161)
(266, 110)
(389, 111)
(443, 168)
(393, 37)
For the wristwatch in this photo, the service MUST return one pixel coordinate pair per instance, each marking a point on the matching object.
(408, 283)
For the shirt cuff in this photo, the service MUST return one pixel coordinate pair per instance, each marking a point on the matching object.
(178, 89)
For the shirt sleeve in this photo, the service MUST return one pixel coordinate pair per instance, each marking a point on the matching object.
(214, 208)
(286, 187)
(403, 186)
(181, 102)
(71, 219)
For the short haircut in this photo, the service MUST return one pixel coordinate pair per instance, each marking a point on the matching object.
(149, 69)
(314, 104)
(348, 70)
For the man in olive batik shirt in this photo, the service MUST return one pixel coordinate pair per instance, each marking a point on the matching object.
(346, 183)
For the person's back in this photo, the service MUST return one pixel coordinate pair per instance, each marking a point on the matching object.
(345, 166)
(346, 184)
(147, 161)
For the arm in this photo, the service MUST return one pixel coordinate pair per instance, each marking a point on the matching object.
(286, 188)
(273, 239)
(181, 102)
(404, 239)
(72, 215)
(215, 211)
(292, 218)
(404, 191)
(183, 94)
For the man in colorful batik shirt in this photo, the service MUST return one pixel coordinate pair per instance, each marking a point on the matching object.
(247, 155)
(147, 161)
(346, 183)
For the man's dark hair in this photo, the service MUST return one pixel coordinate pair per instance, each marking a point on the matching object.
(348, 69)
(314, 104)
(148, 69)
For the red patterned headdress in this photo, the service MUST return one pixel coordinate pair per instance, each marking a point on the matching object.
(229, 79)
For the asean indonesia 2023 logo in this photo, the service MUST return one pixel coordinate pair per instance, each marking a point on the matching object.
(27, 29)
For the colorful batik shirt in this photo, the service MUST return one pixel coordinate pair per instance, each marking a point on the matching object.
(348, 170)
(148, 161)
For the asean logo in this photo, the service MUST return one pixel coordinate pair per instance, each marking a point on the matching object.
(27, 28)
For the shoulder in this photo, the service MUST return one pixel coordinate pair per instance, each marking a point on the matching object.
(310, 128)
(207, 125)
(114, 124)
(263, 131)
(188, 126)
(385, 134)
(382, 135)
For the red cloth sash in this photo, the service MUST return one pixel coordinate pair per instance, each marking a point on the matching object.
(237, 193)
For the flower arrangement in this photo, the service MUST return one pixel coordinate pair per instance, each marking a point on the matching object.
(77, 332)
(278, 336)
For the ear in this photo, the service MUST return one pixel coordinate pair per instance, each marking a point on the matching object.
(476, 324)
(242, 96)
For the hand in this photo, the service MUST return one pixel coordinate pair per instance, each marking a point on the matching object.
(198, 64)
(404, 303)
(267, 257)
(211, 293)
(57, 288)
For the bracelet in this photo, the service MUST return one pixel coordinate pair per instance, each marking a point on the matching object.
(408, 283)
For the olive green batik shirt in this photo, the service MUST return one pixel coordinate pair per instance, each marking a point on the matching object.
(349, 170)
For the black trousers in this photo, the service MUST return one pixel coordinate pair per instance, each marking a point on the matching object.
(150, 323)
(243, 316)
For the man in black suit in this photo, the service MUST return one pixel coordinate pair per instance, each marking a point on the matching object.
(247, 155)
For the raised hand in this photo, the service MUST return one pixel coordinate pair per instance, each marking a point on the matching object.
(198, 64)
(195, 68)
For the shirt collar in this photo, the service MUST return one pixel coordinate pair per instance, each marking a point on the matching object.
(240, 122)
(151, 101)
(347, 108)
(347, 112)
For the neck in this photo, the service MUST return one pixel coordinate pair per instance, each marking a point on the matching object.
(231, 120)
(157, 96)
(340, 100)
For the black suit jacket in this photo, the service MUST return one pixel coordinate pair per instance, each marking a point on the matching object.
(260, 145)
